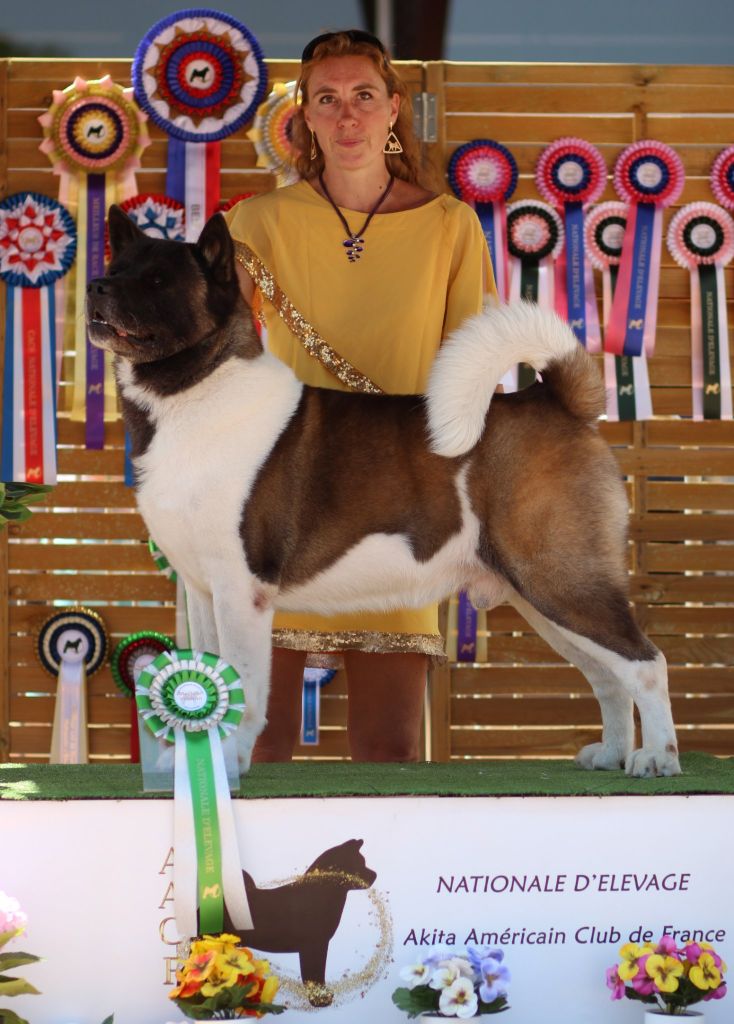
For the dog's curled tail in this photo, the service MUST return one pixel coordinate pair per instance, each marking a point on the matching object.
(473, 360)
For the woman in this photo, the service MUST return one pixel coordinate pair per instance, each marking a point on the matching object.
(359, 271)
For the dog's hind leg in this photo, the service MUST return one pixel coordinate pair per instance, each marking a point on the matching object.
(244, 616)
(638, 675)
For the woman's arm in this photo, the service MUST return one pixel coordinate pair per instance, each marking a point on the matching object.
(247, 285)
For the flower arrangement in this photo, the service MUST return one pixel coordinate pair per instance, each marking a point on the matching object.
(12, 924)
(666, 976)
(222, 980)
(451, 985)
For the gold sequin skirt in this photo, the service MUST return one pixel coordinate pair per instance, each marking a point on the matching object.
(408, 630)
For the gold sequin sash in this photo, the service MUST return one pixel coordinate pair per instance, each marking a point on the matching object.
(299, 326)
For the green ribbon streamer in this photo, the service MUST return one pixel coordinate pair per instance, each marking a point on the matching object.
(206, 831)
(711, 353)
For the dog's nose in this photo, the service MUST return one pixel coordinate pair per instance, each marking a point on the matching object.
(96, 286)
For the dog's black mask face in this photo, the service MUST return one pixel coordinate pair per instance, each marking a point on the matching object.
(159, 297)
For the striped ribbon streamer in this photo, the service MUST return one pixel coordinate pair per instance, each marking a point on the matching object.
(626, 378)
(193, 179)
(193, 700)
(313, 680)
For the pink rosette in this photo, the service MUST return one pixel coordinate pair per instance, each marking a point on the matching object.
(571, 170)
(649, 172)
(701, 234)
(722, 178)
(483, 171)
(534, 230)
(604, 233)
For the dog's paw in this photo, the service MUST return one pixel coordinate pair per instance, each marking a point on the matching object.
(601, 756)
(247, 732)
(319, 994)
(647, 764)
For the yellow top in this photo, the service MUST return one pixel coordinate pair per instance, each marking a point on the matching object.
(421, 273)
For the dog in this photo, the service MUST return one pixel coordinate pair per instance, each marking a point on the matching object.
(265, 493)
(302, 916)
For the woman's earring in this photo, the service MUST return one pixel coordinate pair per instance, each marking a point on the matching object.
(392, 143)
(312, 154)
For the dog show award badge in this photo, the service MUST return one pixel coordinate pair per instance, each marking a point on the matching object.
(701, 240)
(194, 700)
(71, 645)
(484, 174)
(128, 660)
(649, 176)
(625, 377)
(534, 240)
(722, 178)
(200, 75)
(271, 133)
(37, 247)
(94, 135)
(570, 175)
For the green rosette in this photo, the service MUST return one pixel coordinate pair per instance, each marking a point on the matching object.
(195, 700)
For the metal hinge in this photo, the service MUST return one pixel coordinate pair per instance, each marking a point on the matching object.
(424, 116)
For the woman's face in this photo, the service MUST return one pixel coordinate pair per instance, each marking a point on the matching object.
(349, 110)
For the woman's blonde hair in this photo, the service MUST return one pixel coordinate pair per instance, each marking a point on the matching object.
(405, 165)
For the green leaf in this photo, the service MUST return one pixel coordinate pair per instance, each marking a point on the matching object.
(8, 960)
(415, 1001)
(109, 1020)
(9, 1017)
(7, 936)
(16, 987)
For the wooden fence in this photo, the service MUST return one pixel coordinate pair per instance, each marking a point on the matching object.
(88, 545)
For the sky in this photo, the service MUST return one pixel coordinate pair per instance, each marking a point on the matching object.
(619, 31)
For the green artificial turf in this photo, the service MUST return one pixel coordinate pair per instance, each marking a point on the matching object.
(701, 774)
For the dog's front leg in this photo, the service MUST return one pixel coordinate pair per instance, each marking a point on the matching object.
(313, 973)
(202, 624)
(243, 611)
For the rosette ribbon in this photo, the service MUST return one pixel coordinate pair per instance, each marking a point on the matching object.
(200, 75)
(626, 378)
(159, 217)
(701, 240)
(313, 680)
(722, 178)
(71, 645)
(194, 700)
(534, 241)
(271, 133)
(649, 176)
(570, 175)
(94, 135)
(484, 174)
(128, 660)
(183, 638)
(37, 247)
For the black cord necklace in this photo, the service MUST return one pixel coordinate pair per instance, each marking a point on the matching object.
(354, 242)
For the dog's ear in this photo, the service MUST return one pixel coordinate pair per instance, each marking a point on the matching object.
(123, 230)
(217, 249)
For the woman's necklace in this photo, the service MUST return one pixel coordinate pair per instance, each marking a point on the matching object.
(354, 242)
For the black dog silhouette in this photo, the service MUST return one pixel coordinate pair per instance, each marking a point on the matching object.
(302, 916)
(95, 131)
(72, 645)
(199, 73)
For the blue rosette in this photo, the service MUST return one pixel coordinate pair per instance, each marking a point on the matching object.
(484, 174)
(37, 240)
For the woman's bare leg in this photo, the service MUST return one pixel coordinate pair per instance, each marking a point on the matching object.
(279, 737)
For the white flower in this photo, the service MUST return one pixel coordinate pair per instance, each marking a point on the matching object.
(415, 974)
(459, 999)
(444, 975)
(462, 966)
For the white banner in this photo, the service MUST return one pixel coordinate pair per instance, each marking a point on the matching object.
(557, 883)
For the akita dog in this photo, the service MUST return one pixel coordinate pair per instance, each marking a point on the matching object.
(265, 493)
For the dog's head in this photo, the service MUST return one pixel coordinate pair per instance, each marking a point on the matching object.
(158, 297)
(346, 865)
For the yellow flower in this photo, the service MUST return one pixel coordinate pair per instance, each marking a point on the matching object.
(199, 966)
(629, 967)
(270, 989)
(705, 974)
(218, 979)
(664, 971)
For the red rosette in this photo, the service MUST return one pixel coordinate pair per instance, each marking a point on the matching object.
(534, 230)
(227, 204)
(701, 234)
(483, 171)
(722, 178)
(649, 172)
(156, 215)
(132, 654)
(571, 170)
(604, 228)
